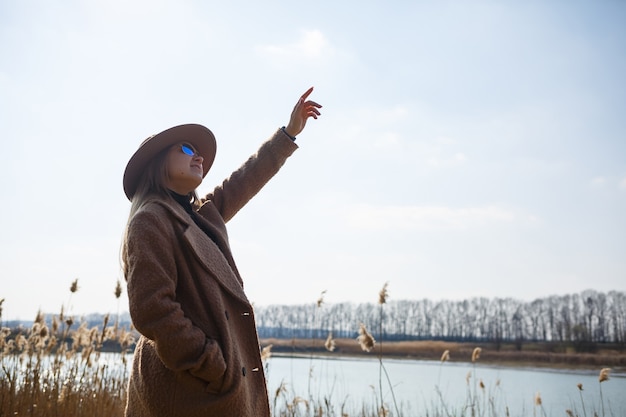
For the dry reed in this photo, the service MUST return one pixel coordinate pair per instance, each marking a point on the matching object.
(476, 354)
(320, 300)
(266, 352)
(383, 294)
(55, 368)
(365, 339)
(329, 344)
(604, 374)
(51, 369)
(118, 289)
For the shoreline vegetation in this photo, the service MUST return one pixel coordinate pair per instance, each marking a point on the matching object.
(540, 354)
(54, 367)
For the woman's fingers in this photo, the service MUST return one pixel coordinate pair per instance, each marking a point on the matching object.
(306, 94)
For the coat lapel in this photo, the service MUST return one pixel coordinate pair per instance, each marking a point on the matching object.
(214, 257)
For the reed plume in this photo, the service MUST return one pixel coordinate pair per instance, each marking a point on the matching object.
(126, 340)
(476, 354)
(103, 334)
(266, 352)
(280, 391)
(365, 339)
(117, 293)
(604, 376)
(582, 401)
(329, 344)
(444, 358)
(73, 288)
(118, 289)
(383, 294)
(315, 333)
(539, 403)
(4, 333)
(39, 317)
(320, 300)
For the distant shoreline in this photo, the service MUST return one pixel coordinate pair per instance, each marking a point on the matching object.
(541, 355)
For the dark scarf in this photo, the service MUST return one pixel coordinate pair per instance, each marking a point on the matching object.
(185, 203)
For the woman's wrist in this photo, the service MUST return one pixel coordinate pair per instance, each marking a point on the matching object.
(284, 129)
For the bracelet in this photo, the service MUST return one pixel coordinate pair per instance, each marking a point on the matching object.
(285, 132)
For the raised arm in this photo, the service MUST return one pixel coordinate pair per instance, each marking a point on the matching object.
(247, 181)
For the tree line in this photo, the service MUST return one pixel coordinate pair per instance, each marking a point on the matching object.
(589, 317)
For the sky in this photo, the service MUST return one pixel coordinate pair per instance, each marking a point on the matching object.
(465, 149)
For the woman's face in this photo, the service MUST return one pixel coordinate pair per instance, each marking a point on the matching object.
(184, 168)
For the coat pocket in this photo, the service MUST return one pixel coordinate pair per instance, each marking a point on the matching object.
(212, 368)
(215, 386)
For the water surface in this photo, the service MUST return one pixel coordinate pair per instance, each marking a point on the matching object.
(421, 386)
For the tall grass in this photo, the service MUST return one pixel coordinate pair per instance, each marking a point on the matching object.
(57, 368)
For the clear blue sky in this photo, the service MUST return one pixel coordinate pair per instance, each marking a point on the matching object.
(465, 148)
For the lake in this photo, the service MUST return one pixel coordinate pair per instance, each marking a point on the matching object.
(432, 387)
(417, 384)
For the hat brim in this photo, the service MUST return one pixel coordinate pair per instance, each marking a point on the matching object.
(197, 135)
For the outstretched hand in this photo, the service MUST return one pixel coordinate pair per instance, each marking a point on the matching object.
(301, 112)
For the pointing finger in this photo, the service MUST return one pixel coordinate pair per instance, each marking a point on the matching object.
(306, 94)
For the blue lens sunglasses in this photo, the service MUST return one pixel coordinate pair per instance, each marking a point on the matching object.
(189, 150)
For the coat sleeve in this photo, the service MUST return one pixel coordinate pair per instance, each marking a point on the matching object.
(247, 181)
(155, 312)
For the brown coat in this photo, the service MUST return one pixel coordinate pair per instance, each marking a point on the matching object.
(199, 350)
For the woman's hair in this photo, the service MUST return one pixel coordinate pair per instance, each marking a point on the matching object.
(151, 186)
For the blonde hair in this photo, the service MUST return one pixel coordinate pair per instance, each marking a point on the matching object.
(151, 186)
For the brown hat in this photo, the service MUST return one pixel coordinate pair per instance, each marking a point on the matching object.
(197, 135)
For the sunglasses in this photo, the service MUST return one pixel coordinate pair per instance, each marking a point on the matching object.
(188, 150)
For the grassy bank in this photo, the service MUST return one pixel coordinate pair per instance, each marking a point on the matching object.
(531, 354)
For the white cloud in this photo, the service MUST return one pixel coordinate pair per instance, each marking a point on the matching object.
(445, 141)
(425, 217)
(598, 181)
(390, 131)
(387, 140)
(601, 182)
(440, 152)
(456, 159)
(312, 45)
(392, 115)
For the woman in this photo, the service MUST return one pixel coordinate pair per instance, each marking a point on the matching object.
(199, 352)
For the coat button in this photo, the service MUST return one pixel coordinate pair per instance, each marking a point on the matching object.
(243, 371)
